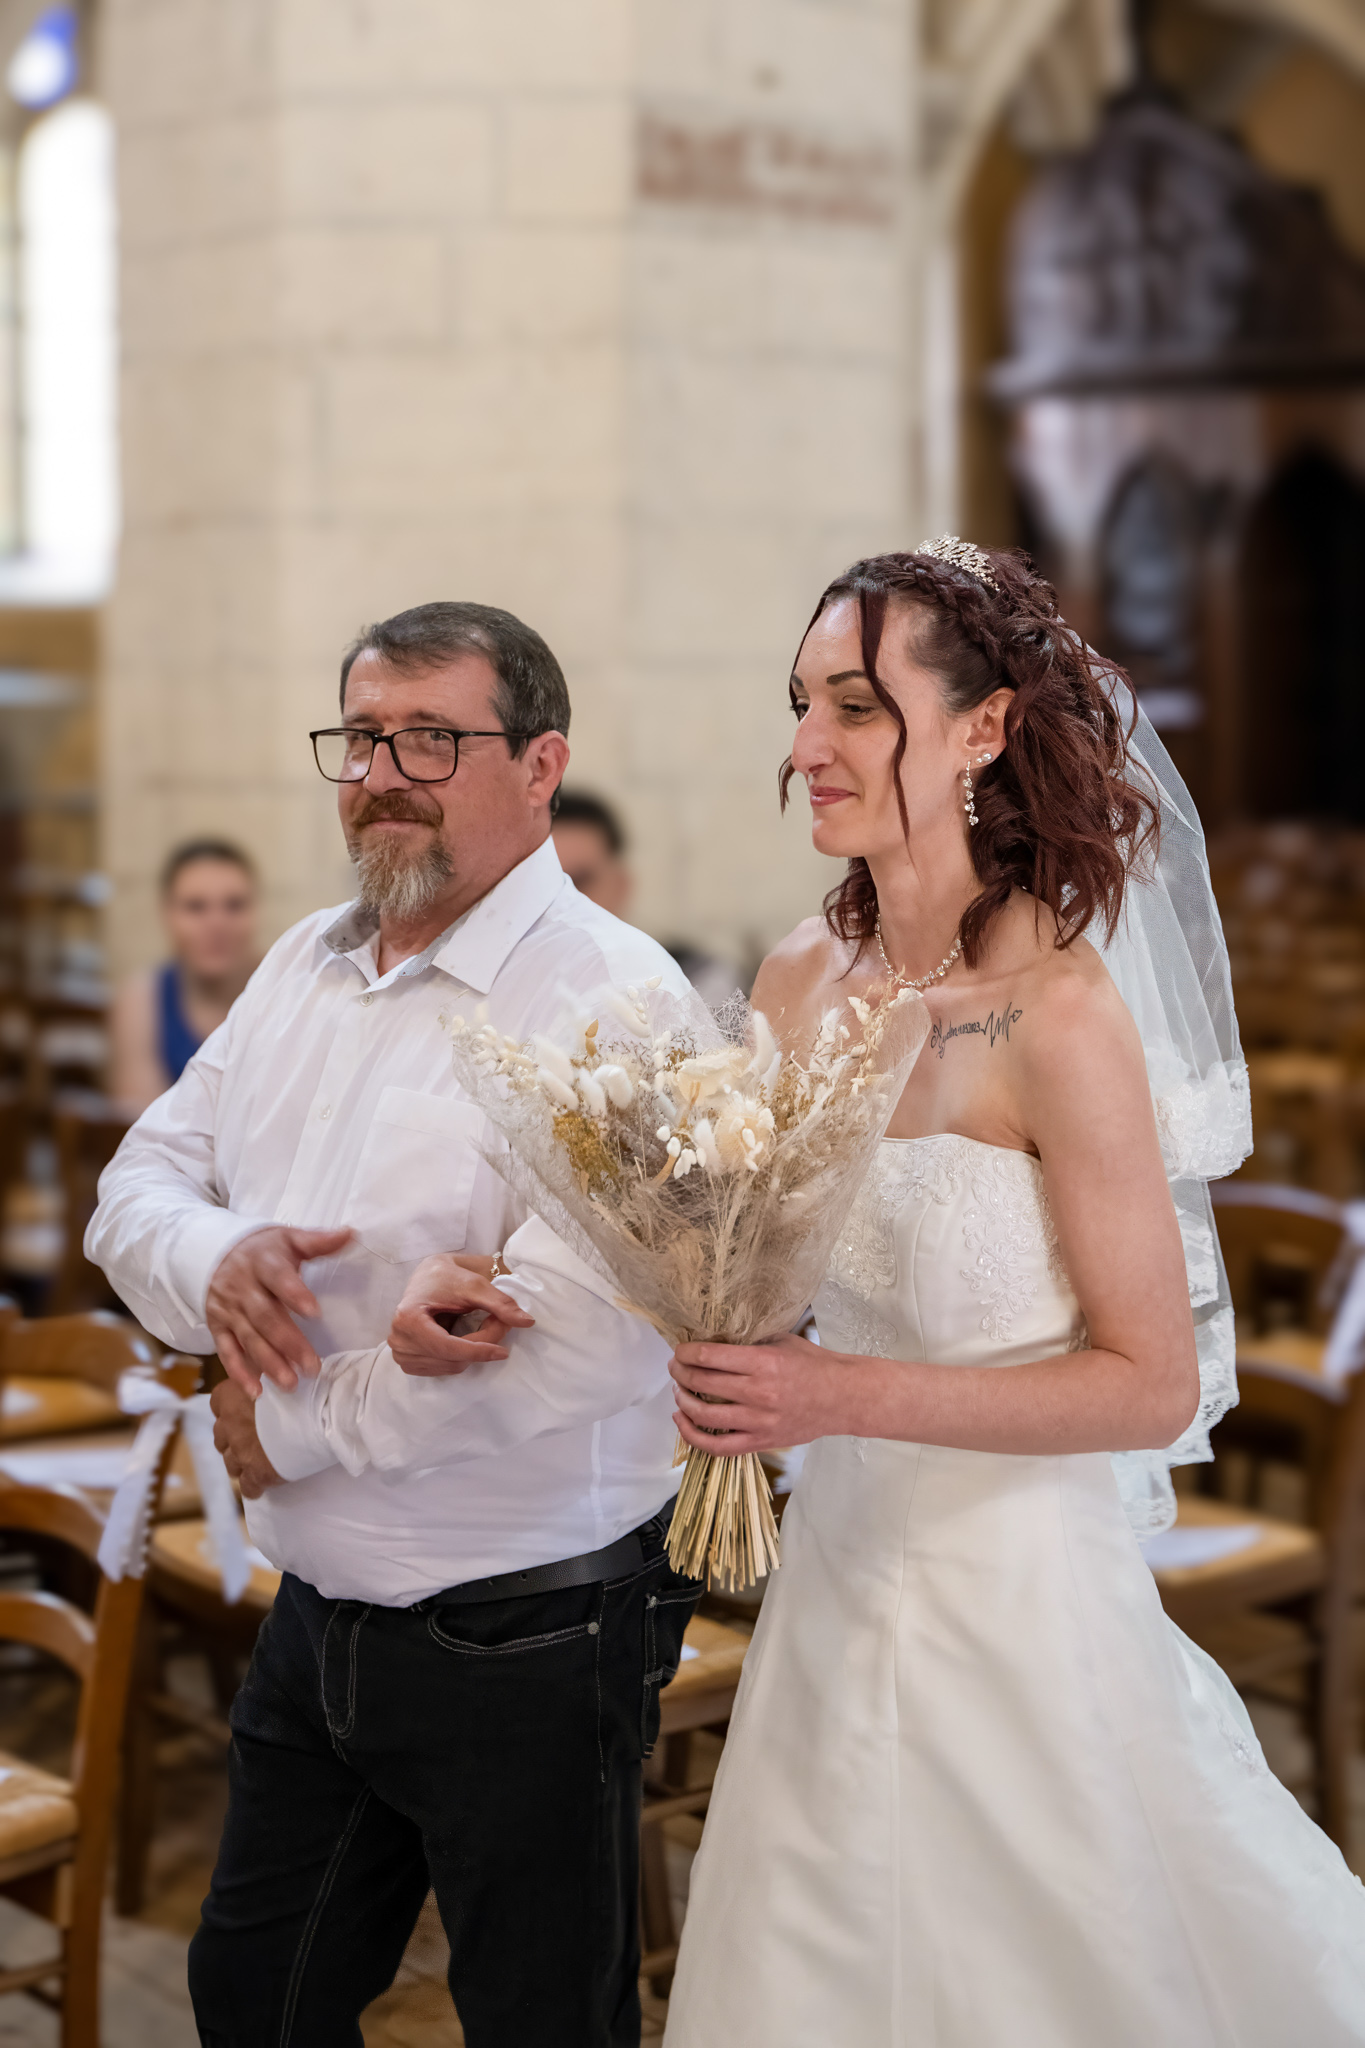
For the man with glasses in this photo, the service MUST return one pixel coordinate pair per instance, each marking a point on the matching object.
(461, 1671)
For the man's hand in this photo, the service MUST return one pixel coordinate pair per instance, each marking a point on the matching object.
(253, 1298)
(234, 1434)
(778, 1394)
(455, 1284)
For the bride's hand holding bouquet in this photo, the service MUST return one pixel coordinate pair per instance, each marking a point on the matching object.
(776, 1395)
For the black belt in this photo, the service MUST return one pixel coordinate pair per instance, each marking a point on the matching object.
(614, 1561)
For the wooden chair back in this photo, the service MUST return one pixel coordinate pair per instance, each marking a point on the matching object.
(1299, 1112)
(69, 1050)
(14, 1130)
(95, 1347)
(95, 1650)
(1340, 1506)
(1287, 1253)
(59, 1375)
(89, 1129)
(16, 1024)
(185, 1609)
(1284, 1417)
(99, 1650)
(1303, 1419)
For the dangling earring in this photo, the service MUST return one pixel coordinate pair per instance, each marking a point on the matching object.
(970, 793)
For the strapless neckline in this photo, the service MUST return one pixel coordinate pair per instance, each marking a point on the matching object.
(957, 1138)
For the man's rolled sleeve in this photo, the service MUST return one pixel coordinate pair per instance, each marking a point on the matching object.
(289, 1428)
(195, 1246)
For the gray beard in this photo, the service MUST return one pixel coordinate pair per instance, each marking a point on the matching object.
(398, 884)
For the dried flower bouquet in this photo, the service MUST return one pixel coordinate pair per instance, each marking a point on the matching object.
(707, 1173)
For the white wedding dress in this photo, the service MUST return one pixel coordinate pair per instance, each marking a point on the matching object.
(978, 1791)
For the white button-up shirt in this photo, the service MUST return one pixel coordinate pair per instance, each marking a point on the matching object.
(327, 1099)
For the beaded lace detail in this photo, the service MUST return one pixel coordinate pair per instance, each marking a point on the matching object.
(1006, 1226)
(865, 1255)
(864, 1259)
(850, 1323)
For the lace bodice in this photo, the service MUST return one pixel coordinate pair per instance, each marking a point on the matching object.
(949, 1254)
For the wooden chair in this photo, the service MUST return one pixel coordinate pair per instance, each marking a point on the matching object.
(89, 1129)
(701, 1695)
(93, 1463)
(1300, 1104)
(69, 1049)
(1277, 1615)
(185, 1609)
(14, 1131)
(1289, 1257)
(60, 1374)
(54, 1832)
(16, 1029)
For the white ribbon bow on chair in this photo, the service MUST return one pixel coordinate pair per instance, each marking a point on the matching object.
(123, 1547)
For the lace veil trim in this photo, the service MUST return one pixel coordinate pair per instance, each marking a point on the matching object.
(1169, 961)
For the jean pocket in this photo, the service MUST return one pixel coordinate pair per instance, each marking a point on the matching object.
(667, 1612)
(518, 1627)
(516, 1647)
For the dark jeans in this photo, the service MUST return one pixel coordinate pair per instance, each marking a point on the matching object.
(492, 1752)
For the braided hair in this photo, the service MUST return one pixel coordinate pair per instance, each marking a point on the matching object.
(1058, 813)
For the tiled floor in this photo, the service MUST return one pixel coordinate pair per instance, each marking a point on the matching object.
(145, 2001)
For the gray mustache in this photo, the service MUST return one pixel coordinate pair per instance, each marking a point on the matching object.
(399, 810)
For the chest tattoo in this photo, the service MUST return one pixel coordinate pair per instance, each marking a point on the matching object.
(994, 1025)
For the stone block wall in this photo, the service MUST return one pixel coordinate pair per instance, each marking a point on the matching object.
(593, 311)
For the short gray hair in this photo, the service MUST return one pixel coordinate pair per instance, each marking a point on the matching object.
(532, 696)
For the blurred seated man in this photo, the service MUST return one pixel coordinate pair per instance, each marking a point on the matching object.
(591, 843)
(162, 1016)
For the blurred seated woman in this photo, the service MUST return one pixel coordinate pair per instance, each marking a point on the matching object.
(162, 1016)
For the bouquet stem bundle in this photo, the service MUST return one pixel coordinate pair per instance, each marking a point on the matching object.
(708, 1174)
(723, 1526)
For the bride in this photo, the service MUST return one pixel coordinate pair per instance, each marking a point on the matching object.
(978, 1792)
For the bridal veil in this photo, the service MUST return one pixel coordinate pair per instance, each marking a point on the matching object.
(1169, 961)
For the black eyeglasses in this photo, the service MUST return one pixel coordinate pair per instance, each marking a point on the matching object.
(421, 753)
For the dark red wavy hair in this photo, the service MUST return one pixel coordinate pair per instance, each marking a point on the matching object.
(1059, 813)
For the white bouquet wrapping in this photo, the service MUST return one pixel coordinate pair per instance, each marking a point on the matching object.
(707, 1173)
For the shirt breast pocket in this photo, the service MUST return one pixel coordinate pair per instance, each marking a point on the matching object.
(415, 1178)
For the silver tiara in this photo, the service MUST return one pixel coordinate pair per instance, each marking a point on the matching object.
(961, 554)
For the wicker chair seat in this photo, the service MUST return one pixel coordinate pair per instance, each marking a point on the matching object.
(37, 1810)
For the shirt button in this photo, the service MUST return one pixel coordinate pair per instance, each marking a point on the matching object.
(325, 1111)
(365, 1001)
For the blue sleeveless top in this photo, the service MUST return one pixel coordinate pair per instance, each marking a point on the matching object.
(178, 1042)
